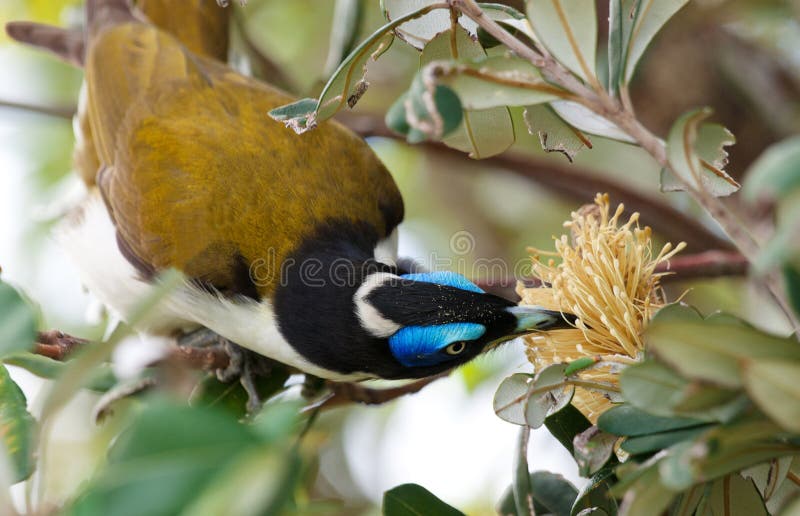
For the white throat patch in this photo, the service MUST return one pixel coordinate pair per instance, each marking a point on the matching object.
(371, 319)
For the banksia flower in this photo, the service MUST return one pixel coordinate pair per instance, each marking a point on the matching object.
(607, 278)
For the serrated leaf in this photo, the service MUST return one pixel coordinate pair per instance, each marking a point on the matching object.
(555, 135)
(712, 349)
(415, 500)
(509, 400)
(626, 420)
(688, 148)
(17, 427)
(347, 84)
(568, 28)
(773, 385)
(650, 16)
(17, 321)
(586, 120)
(548, 393)
(736, 496)
(776, 172)
(481, 133)
(592, 450)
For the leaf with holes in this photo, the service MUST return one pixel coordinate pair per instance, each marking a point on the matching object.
(481, 133)
(347, 84)
(554, 134)
(568, 28)
(689, 147)
(420, 31)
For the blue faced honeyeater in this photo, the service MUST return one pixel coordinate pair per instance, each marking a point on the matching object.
(286, 242)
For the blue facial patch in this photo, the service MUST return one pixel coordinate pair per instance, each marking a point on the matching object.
(450, 279)
(419, 346)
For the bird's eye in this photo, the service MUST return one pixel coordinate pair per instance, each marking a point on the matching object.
(456, 348)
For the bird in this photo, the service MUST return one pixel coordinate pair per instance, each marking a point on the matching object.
(287, 243)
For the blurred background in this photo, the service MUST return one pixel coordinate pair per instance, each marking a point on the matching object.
(742, 57)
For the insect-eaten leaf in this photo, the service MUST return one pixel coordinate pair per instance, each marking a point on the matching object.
(17, 321)
(554, 134)
(418, 32)
(17, 427)
(697, 156)
(592, 450)
(347, 84)
(586, 120)
(481, 133)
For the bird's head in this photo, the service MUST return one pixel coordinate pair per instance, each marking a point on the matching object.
(431, 322)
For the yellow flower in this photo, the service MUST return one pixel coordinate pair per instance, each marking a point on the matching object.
(607, 278)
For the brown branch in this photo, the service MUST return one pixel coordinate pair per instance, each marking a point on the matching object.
(346, 393)
(55, 111)
(573, 181)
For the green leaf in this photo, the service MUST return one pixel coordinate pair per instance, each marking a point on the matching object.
(509, 400)
(791, 275)
(521, 483)
(420, 31)
(736, 496)
(650, 16)
(232, 396)
(552, 494)
(17, 321)
(414, 500)
(630, 421)
(586, 120)
(712, 349)
(481, 133)
(495, 81)
(592, 450)
(655, 442)
(555, 135)
(659, 390)
(773, 385)
(647, 494)
(689, 147)
(775, 173)
(596, 495)
(568, 28)
(101, 379)
(565, 424)
(347, 17)
(17, 427)
(783, 248)
(347, 84)
(621, 18)
(548, 393)
(160, 464)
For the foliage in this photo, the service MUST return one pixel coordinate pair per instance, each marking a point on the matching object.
(706, 420)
